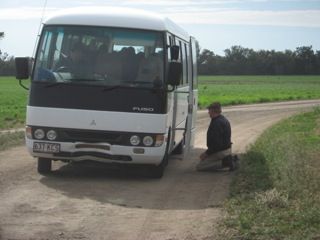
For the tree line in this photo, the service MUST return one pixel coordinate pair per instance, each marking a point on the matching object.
(245, 61)
(7, 67)
(237, 61)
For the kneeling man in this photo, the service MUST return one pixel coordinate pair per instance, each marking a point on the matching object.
(218, 139)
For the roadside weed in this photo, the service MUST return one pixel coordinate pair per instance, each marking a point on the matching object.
(8, 140)
(276, 193)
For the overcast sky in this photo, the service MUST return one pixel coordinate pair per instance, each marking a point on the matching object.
(217, 24)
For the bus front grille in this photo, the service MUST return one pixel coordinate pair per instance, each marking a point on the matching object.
(90, 136)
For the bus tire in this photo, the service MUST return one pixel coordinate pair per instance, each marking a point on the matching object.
(44, 165)
(157, 171)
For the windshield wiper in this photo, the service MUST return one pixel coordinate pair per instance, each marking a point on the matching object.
(73, 80)
(126, 85)
(141, 82)
(82, 80)
(155, 84)
(109, 88)
(54, 84)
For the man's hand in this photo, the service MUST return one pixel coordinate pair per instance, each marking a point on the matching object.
(203, 156)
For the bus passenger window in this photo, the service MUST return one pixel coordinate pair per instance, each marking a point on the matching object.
(184, 65)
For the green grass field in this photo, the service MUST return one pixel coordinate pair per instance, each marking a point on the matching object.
(231, 90)
(13, 100)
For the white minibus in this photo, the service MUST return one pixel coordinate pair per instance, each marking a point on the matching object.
(110, 85)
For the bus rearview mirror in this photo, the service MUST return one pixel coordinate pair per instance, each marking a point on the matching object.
(174, 73)
(22, 67)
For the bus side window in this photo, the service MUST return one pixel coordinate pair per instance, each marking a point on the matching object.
(194, 49)
(189, 62)
(184, 65)
(169, 44)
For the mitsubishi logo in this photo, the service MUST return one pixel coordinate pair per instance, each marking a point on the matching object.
(93, 123)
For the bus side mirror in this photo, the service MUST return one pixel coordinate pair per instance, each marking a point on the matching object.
(174, 52)
(22, 68)
(174, 73)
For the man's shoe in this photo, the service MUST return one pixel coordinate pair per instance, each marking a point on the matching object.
(234, 163)
(226, 161)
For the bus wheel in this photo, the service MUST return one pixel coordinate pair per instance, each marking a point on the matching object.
(44, 165)
(156, 171)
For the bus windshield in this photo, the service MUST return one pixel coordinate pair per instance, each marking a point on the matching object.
(100, 56)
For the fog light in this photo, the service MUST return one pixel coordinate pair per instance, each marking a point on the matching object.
(52, 135)
(135, 140)
(39, 134)
(148, 141)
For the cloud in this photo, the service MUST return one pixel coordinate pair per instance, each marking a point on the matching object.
(201, 15)
(297, 18)
(169, 3)
(204, 2)
(23, 13)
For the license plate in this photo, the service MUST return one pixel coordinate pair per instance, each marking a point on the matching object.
(46, 147)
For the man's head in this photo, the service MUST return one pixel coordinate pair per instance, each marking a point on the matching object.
(214, 109)
(77, 52)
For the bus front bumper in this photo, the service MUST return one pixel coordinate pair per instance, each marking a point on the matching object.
(100, 152)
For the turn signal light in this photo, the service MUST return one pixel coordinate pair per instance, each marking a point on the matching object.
(28, 132)
(159, 140)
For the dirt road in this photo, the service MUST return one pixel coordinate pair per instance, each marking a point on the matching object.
(94, 202)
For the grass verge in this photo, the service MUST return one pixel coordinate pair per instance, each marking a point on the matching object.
(12, 139)
(276, 193)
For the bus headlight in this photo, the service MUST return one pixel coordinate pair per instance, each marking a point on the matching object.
(148, 141)
(135, 140)
(39, 134)
(52, 135)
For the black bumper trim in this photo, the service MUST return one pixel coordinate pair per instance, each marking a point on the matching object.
(93, 154)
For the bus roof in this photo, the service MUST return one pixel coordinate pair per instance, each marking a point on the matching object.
(116, 17)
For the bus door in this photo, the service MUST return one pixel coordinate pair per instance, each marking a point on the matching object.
(178, 99)
(193, 97)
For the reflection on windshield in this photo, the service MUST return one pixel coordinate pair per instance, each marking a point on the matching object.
(100, 56)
